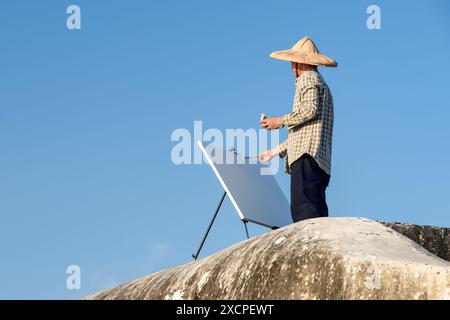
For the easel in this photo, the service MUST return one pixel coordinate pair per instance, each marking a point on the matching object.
(274, 190)
(195, 256)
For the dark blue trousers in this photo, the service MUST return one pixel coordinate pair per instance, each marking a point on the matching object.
(308, 184)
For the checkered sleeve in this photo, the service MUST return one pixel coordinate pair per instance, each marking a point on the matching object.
(282, 148)
(309, 93)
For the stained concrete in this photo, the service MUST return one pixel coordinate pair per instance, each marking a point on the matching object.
(434, 239)
(324, 258)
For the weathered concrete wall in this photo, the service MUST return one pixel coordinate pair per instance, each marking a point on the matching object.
(325, 258)
(434, 239)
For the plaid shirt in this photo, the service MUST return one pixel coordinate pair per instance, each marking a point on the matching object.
(310, 124)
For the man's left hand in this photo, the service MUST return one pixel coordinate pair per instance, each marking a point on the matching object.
(271, 123)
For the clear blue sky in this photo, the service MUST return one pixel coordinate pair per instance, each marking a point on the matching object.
(86, 117)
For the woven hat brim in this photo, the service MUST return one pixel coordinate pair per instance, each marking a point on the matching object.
(317, 59)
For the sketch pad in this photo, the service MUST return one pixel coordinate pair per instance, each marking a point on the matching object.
(257, 198)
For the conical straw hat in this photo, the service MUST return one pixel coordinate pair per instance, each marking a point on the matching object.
(304, 51)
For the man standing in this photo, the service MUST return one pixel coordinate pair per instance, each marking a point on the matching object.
(310, 130)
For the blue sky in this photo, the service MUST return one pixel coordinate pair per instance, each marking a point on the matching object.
(86, 117)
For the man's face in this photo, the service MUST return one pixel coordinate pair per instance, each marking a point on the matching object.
(294, 67)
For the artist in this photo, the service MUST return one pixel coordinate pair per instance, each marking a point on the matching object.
(310, 128)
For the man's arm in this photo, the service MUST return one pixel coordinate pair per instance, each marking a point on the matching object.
(281, 149)
(308, 111)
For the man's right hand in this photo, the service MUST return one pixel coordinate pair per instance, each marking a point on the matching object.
(265, 157)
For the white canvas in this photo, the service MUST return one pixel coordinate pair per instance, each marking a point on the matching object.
(257, 198)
